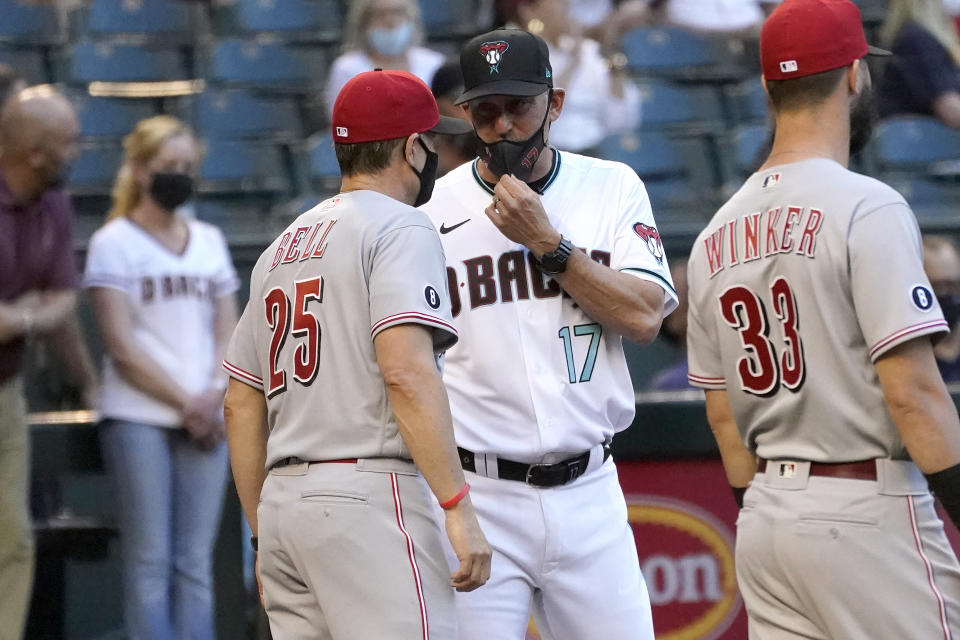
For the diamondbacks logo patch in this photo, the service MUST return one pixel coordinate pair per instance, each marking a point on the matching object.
(651, 236)
(493, 52)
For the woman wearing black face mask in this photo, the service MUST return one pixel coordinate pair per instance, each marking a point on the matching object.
(162, 288)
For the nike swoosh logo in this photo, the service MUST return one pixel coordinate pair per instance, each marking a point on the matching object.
(445, 229)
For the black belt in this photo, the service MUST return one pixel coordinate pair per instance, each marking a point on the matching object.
(538, 475)
(286, 462)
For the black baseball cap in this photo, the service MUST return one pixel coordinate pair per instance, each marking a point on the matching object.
(505, 62)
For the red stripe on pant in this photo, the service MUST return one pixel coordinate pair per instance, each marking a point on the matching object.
(412, 555)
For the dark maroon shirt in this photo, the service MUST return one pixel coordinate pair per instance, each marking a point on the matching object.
(36, 253)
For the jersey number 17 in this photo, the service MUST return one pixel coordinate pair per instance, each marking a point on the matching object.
(761, 371)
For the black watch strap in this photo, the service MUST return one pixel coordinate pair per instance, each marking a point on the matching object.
(555, 262)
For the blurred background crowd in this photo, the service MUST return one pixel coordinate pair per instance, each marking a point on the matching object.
(669, 87)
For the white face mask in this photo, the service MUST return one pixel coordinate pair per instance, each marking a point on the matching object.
(391, 42)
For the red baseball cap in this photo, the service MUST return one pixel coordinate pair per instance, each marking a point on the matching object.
(383, 105)
(804, 37)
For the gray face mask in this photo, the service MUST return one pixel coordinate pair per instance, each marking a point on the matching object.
(391, 42)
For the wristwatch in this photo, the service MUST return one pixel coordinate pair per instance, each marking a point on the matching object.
(555, 262)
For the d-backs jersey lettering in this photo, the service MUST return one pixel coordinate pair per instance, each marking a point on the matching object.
(532, 373)
(341, 273)
(793, 297)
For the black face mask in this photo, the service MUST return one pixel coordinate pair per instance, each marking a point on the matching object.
(427, 175)
(863, 116)
(950, 306)
(170, 189)
(516, 158)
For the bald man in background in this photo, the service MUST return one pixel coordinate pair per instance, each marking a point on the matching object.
(38, 141)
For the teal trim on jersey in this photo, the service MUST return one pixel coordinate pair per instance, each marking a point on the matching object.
(550, 179)
(655, 275)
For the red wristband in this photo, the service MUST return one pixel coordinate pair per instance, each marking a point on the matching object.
(452, 502)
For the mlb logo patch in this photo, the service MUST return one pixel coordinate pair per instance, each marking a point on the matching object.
(342, 132)
(787, 470)
(788, 66)
(771, 180)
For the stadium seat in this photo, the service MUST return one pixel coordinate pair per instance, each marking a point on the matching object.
(914, 143)
(169, 19)
(121, 62)
(447, 19)
(241, 223)
(323, 167)
(109, 117)
(311, 20)
(676, 52)
(231, 166)
(669, 106)
(748, 142)
(28, 62)
(240, 114)
(658, 161)
(30, 22)
(94, 170)
(748, 101)
(268, 65)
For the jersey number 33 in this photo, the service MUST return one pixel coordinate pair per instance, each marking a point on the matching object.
(762, 371)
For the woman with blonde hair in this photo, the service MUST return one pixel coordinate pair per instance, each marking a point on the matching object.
(923, 76)
(162, 288)
(381, 34)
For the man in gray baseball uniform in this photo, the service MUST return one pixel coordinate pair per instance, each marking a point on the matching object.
(810, 329)
(335, 386)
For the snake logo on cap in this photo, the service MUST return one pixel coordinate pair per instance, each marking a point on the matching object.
(493, 52)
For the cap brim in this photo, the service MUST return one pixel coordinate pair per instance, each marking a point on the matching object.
(503, 88)
(877, 51)
(451, 126)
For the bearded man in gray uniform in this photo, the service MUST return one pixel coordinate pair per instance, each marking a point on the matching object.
(335, 386)
(810, 328)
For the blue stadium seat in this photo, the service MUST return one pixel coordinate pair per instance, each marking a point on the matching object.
(94, 170)
(696, 109)
(269, 65)
(231, 166)
(159, 18)
(297, 19)
(240, 114)
(323, 166)
(241, 222)
(658, 161)
(29, 63)
(749, 101)
(914, 143)
(30, 22)
(109, 117)
(446, 19)
(676, 52)
(748, 142)
(121, 62)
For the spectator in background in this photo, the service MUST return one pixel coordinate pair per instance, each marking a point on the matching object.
(941, 262)
(162, 288)
(600, 98)
(735, 17)
(923, 76)
(447, 86)
(38, 138)
(674, 331)
(382, 34)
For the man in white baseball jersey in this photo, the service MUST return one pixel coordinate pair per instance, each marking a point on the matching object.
(552, 257)
(810, 328)
(335, 386)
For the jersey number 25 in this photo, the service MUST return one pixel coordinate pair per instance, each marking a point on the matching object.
(306, 357)
(761, 371)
